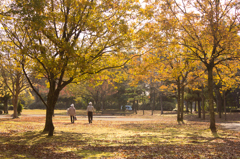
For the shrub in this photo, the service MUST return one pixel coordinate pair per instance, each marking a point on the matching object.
(19, 108)
(168, 106)
(37, 105)
(1, 112)
(61, 105)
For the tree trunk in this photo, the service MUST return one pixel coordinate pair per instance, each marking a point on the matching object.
(5, 103)
(136, 107)
(182, 103)
(161, 102)
(203, 103)
(153, 102)
(191, 107)
(219, 101)
(199, 108)
(210, 95)
(237, 99)
(15, 102)
(49, 124)
(51, 102)
(187, 107)
(133, 108)
(143, 108)
(195, 106)
(224, 104)
(219, 106)
(178, 100)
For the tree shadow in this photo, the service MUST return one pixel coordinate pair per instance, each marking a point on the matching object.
(79, 145)
(39, 145)
(180, 122)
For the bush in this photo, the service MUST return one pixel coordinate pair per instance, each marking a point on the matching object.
(1, 112)
(37, 105)
(167, 106)
(61, 105)
(19, 108)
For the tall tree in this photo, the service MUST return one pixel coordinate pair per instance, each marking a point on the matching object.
(68, 40)
(209, 29)
(12, 74)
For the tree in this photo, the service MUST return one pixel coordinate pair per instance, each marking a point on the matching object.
(4, 95)
(67, 41)
(209, 29)
(13, 76)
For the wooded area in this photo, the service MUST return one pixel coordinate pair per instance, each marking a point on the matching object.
(148, 54)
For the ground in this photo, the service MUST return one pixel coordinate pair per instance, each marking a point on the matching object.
(132, 136)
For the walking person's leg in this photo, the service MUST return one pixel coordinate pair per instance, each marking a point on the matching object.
(71, 118)
(89, 117)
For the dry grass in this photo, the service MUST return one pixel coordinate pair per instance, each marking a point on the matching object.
(161, 137)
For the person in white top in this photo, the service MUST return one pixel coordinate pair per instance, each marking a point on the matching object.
(72, 112)
(90, 110)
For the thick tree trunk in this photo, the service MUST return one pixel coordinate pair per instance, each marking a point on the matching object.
(15, 102)
(210, 96)
(51, 102)
(49, 124)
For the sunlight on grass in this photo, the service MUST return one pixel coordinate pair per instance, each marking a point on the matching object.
(136, 139)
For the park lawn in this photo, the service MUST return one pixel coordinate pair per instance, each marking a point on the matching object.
(64, 112)
(161, 137)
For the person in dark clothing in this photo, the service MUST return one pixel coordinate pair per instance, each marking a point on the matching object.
(90, 110)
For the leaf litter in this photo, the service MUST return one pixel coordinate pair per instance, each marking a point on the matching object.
(162, 137)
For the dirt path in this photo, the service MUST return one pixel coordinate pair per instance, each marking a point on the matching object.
(231, 126)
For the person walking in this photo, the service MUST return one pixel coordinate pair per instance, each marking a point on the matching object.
(90, 110)
(72, 112)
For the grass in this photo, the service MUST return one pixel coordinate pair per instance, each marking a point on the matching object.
(64, 112)
(161, 137)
